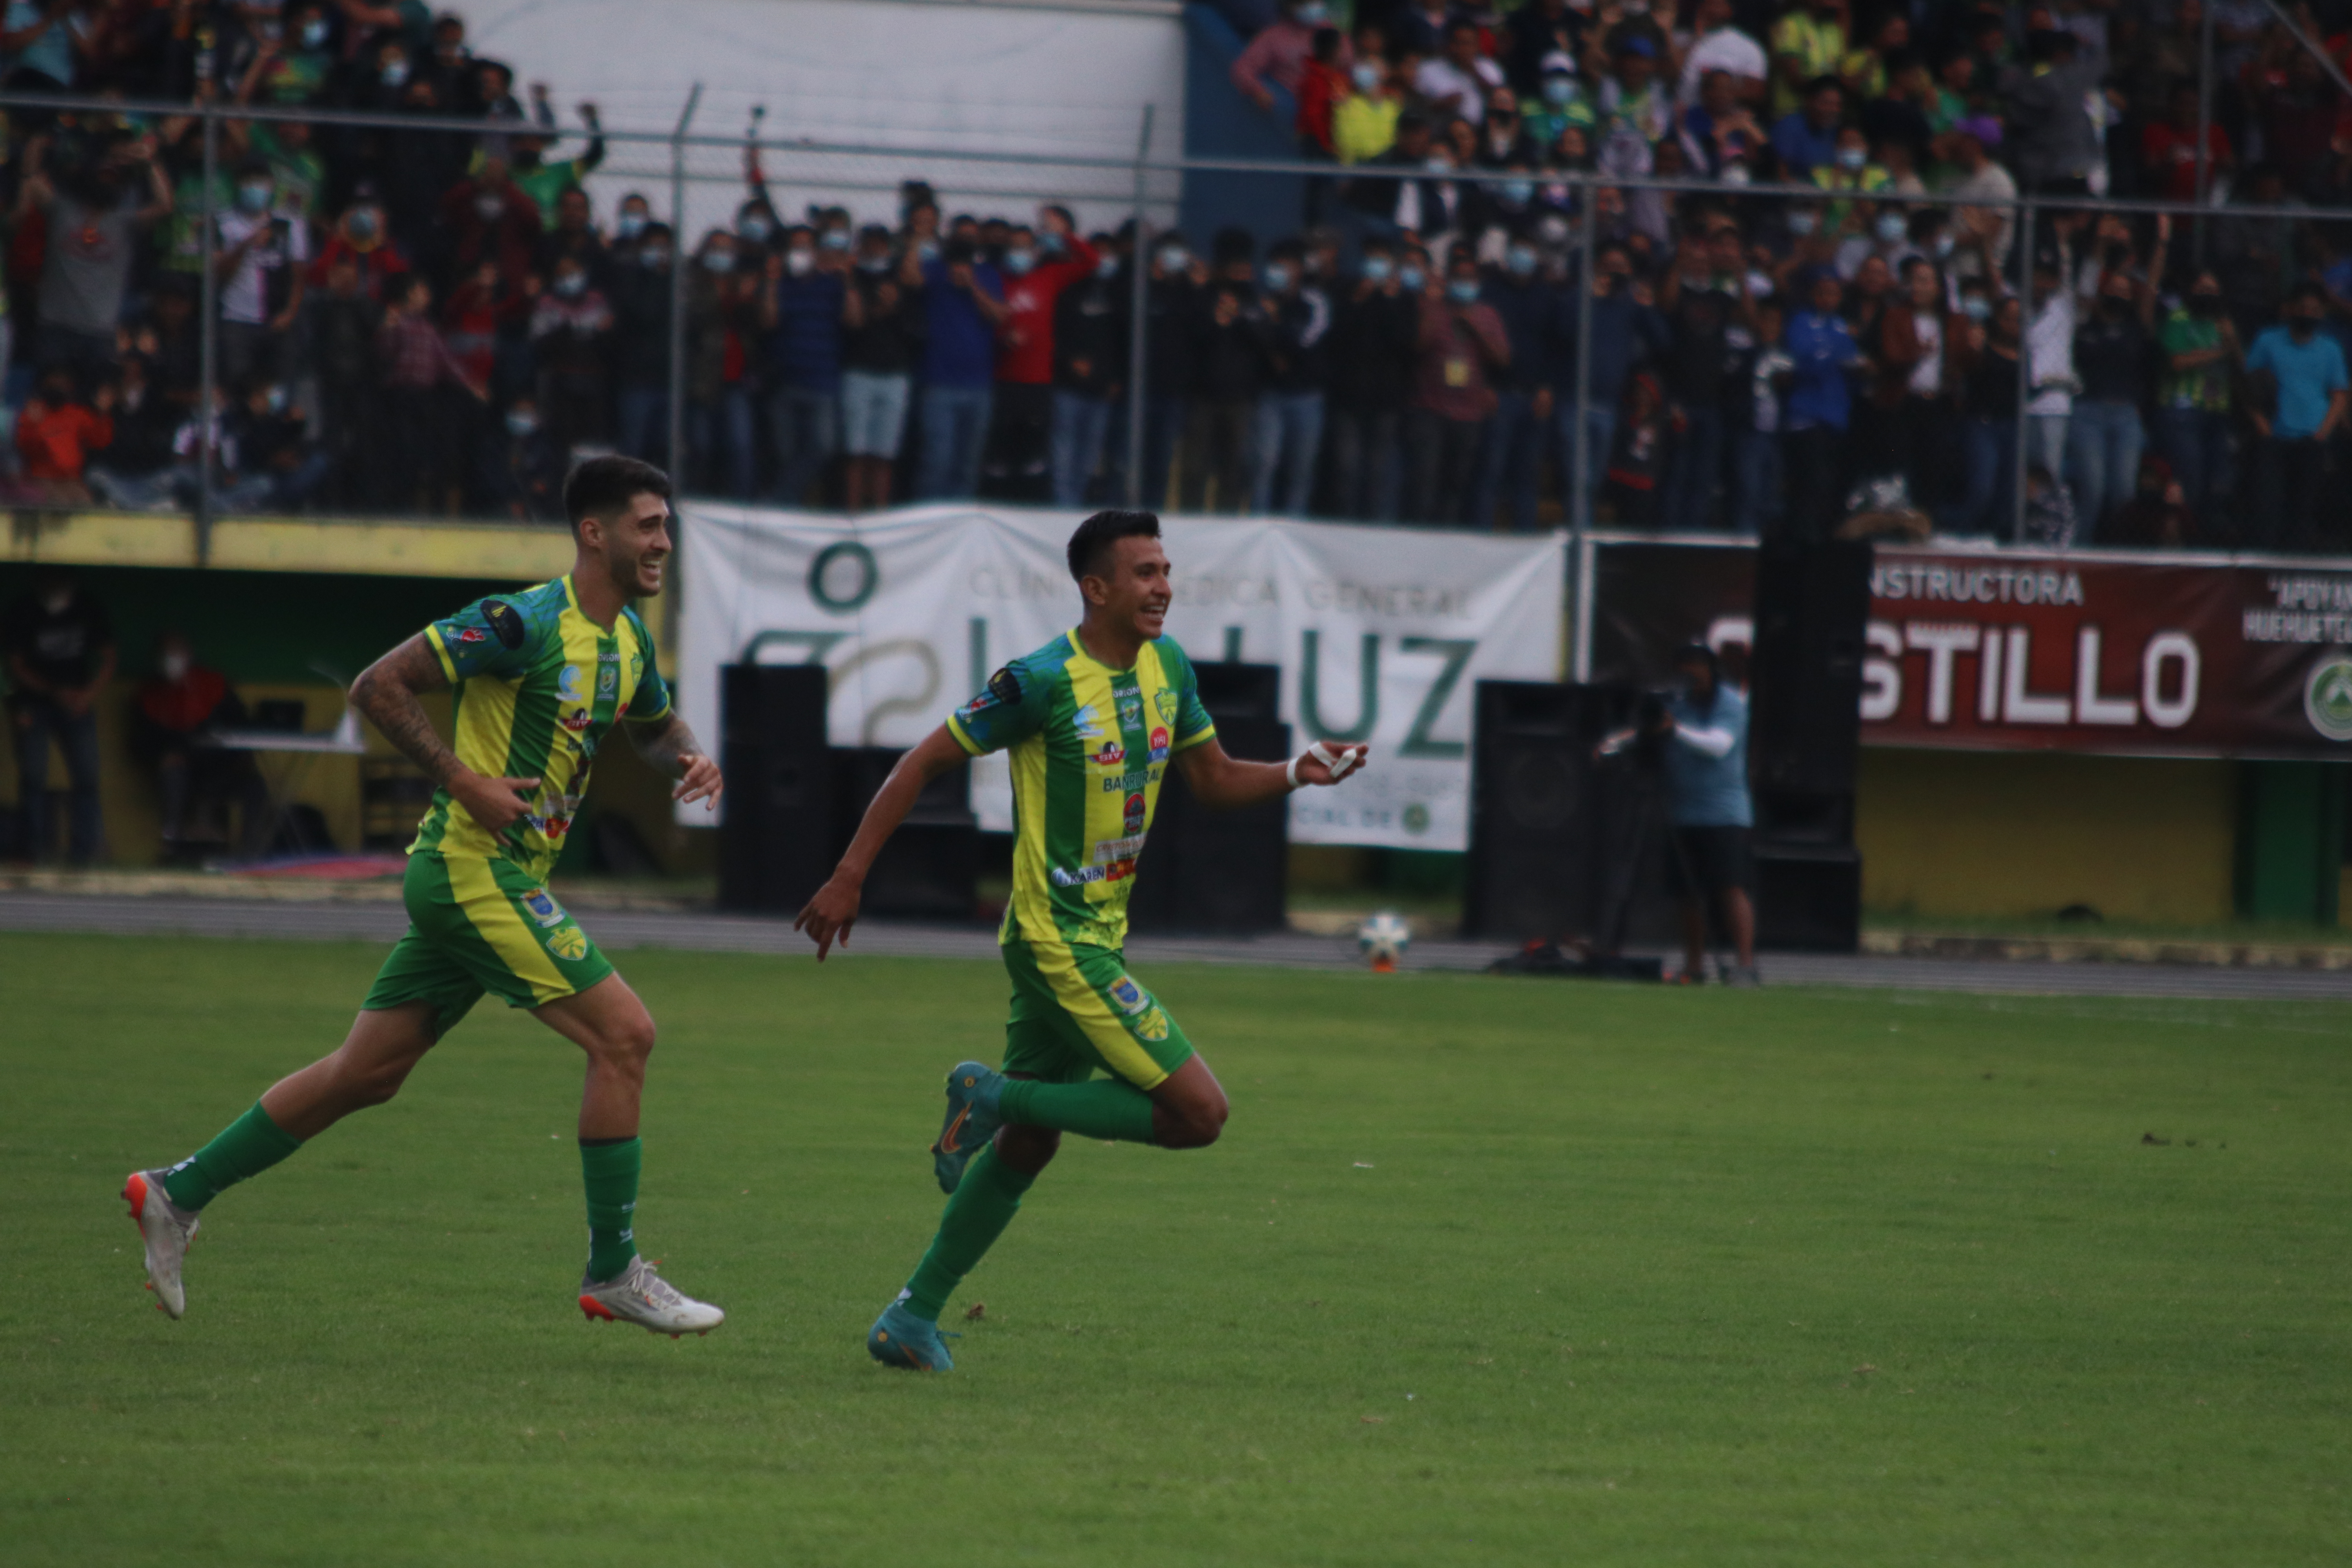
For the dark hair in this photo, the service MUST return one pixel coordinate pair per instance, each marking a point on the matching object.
(1095, 537)
(1825, 83)
(2308, 289)
(597, 486)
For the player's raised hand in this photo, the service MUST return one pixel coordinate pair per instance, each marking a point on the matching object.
(496, 804)
(699, 780)
(1324, 763)
(829, 915)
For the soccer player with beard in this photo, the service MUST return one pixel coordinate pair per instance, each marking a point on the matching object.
(1092, 721)
(540, 679)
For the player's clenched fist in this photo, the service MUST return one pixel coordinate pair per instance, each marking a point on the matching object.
(496, 804)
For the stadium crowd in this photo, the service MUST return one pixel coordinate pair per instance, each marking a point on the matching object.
(437, 323)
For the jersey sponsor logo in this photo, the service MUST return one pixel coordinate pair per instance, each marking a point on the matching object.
(1086, 722)
(1134, 778)
(1116, 871)
(1107, 850)
(1111, 756)
(505, 620)
(570, 943)
(579, 718)
(571, 684)
(543, 908)
(473, 634)
(1152, 1025)
(1159, 745)
(1130, 996)
(1164, 700)
(608, 656)
(1133, 812)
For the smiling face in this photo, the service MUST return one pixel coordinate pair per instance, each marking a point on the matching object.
(633, 544)
(1133, 590)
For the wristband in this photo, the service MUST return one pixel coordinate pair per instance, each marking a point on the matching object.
(1341, 763)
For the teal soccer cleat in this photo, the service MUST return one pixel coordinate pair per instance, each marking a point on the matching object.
(971, 1120)
(902, 1340)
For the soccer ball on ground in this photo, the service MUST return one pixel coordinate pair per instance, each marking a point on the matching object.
(1383, 939)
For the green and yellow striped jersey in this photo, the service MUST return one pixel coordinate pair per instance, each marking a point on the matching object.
(1088, 745)
(537, 687)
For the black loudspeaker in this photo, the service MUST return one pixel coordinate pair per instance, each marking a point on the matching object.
(775, 841)
(930, 868)
(1205, 870)
(1808, 897)
(1812, 605)
(1543, 811)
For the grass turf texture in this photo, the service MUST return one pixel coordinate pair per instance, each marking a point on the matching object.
(1485, 1271)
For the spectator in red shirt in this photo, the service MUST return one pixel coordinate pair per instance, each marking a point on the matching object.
(1281, 51)
(1321, 84)
(56, 433)
(178, 706)
(2168, 147)
(488, 215)
(364, 234)
(1038, 265)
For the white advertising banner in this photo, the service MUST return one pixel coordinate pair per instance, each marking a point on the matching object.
(1381, 632)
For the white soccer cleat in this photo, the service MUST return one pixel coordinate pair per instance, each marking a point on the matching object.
(638, 1295)
(167, 1230)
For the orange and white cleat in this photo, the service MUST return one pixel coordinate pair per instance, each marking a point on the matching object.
(167, 1228)
(638, 1295)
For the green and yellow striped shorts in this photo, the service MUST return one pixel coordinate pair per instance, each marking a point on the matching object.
(1075, 1008)
(475, 924)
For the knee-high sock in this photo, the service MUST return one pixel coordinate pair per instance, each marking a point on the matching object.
(1105, 1108)
(246, 1147)
(608, 1168)
(984, 1203)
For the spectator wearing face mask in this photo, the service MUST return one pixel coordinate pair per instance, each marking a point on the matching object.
(574, 234)
(2307, 376)
(126, 474)
(280, 469)
(258, 263)
(173, 715)
(641, 314)
(1288, 434)
(1092, 322)
(1364, 115)
(524, 475)
(2201, 356)
(1819, 407)
(1528, 306)
(1461, 348)
(883, 314)
(963, 301)
(1039, 264)
(572, 336)
(1279, 56)
(1375, 335)
(1912, 396)
(725, 325)
(487, 216)
(1988, 341)
(1556, 104)
(2114, 354)
(361, 236)
(630, 220)
(1175, 322)
(55, 434)
(804, 306)
(59, 646)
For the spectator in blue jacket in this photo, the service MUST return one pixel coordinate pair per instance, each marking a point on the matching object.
(1819, 405)
(1530, 305)
(2290, 464)
(1806, 139)
(807, 299)
(963, 301)
(1625, 331)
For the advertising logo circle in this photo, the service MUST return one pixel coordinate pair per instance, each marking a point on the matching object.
(825, 572)
(2327, 695)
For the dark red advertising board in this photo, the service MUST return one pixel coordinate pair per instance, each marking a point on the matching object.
(2014, 650)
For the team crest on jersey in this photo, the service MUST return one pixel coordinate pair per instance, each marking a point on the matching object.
(543, 908)
(608, 680)
(1152, 1025)
(571, 684)
(1111, 756)
(1164, 700)
(1130, 996)
(571, 944)
(1159, 745)
(1130, 709)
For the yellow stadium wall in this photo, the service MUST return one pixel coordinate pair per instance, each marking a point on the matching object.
(2016, 834)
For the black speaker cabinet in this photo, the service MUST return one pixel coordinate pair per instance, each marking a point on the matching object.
(1222, 872)
(931, 869)
(775, 839)
(1808, 897)
(1812, 605)
(1542, 810)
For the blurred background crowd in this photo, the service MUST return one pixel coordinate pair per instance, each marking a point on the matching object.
(1807, 296)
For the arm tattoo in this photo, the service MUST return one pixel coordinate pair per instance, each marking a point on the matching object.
(386, 693)
(663, 742)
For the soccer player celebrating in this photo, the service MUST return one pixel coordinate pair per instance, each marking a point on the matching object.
(1092, 721)
(540, 679)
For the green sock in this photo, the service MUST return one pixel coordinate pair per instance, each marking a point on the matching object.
(246, 1147)
(984, 1203)
(1105, 1108)
(609, 1167)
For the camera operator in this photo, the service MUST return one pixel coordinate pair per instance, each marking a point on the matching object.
(1702, 730)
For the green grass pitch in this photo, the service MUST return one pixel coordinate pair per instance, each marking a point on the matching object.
(1483, 1272)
